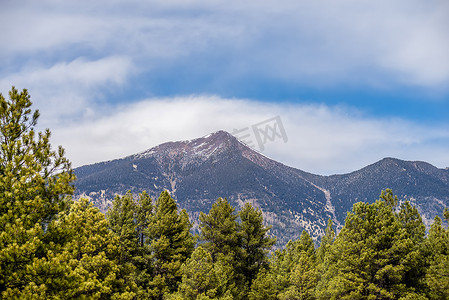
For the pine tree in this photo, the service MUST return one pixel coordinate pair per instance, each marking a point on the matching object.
(326, 242)
(121, 217)
(198, 275)
(143, 258)
(437, 277)
(204, 278)
(33, 182)
(144, 217)
(221, 237)
(219, 230)
(263, 286)
(370, 256)
(303, 279)
(280, 268)
(297, 275)
(171, 243)
(255, 242)
(87, 258)
(292, 272)
(411, 221)
(294, 249)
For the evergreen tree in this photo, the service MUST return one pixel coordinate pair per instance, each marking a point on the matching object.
(297, 275)
(221, 237)
(411, 221)
(204, 278)
(255, 242)
(131, 221)
(280, 268)
(171, 243)
(144, 217)
(437, 277)
(33, 182)
(88, 256)
(293, 251)
(143, 258)
(121, 217)
(326, 242)
(303, 279)
(263, 286)
(292, 274)
(370, 256)
(219, 230)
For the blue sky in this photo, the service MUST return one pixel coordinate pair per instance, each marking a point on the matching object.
(352, 81)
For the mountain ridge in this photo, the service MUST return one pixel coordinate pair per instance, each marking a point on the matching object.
(196, 172)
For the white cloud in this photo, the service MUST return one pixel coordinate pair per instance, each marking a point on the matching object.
(67, 54)
(321, 139)
(80, 71)
(69, 89)
(312, 42)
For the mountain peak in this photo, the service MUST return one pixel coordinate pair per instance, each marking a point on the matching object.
(390, 161)
(200, 148)
(220, 134)
(217, 138)
(407, 165)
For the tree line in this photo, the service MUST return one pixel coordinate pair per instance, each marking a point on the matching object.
(54, 247)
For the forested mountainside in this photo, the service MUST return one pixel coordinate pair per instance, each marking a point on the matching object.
(198, 172)
(53, 246)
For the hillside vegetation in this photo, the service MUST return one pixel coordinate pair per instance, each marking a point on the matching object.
(52, 247)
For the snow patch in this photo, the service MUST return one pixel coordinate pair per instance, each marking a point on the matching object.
(173, 185)
(329, 206)
(145, 154)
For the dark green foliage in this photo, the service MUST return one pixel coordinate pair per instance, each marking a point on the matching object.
(302, 280)
(326, 242)
(244, 245)
(131, 221)
(198, 275)
(371, 255)
(411, 221)
(143, 259)
(219, 230)
(204, 278)
(153, 242)
(221, 237)
(263, 287)
(171, 244)
(437, 277)
(121, 218)
(255, 242)
(144, 217)
(294, 269)
(294, 249)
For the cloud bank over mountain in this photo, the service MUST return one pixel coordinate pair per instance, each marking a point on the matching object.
(352, 81)
(321, 139)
